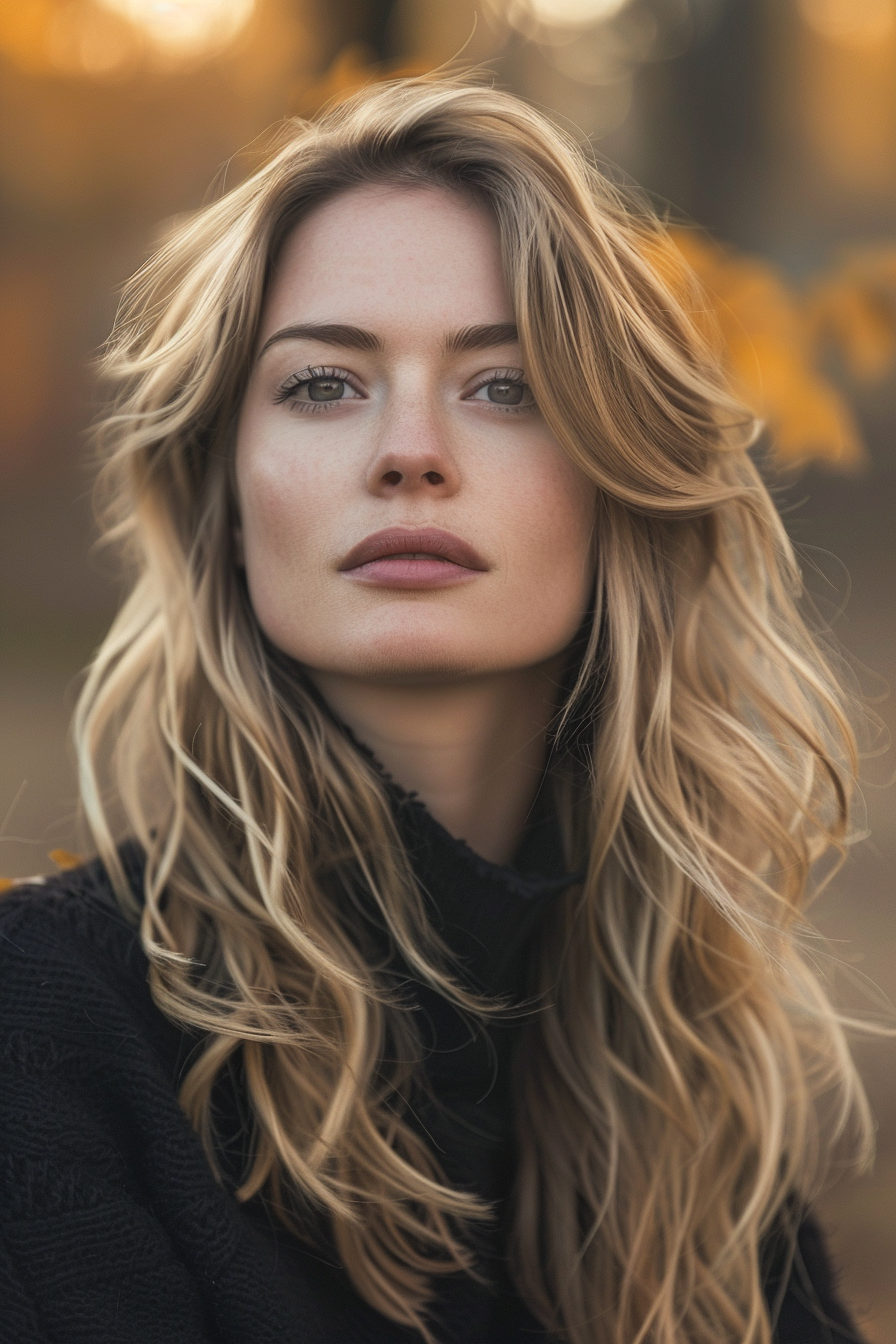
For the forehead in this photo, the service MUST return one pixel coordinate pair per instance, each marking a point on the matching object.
(380, 255)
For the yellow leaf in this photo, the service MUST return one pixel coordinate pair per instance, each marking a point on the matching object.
(64, 859)
(853, 309)
(768, 343)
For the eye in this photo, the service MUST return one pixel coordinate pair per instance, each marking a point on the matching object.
(316, 389)
(507, 389)
(325, 389)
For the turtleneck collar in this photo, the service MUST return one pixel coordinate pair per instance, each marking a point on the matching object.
(484, 912)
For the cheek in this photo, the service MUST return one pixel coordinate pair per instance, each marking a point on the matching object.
(284, 492)
(282, 506)
(543, 514)
(553, 528)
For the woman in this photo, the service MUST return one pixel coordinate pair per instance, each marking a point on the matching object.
(455, 767)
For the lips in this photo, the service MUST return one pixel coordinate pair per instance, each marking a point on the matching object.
(400, 557)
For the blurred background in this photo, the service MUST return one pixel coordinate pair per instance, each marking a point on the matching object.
(765, 130)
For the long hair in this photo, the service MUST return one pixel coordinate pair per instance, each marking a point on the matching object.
(685, 1078)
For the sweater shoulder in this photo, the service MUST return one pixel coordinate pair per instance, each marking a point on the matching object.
(67, 916)
(73, 974)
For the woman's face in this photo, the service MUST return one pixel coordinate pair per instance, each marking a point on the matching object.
(405, 512)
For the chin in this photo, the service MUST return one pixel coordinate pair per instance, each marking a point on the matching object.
(415, 660)
(402, 645)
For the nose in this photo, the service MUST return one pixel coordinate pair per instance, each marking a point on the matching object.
(414, 455)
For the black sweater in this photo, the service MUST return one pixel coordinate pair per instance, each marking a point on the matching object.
(113, 1228)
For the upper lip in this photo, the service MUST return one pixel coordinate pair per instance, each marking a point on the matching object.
(413, 540)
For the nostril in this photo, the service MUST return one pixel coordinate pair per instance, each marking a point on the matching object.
(392, 478)
(433, 477)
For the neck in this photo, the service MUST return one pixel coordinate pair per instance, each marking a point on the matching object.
(474, 750)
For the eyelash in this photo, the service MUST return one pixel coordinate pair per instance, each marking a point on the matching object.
(504, 376)
(287, 390)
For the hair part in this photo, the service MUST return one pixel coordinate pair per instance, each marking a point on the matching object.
(669, 1099)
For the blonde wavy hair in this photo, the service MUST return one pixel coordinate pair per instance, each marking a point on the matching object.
(685, 1077)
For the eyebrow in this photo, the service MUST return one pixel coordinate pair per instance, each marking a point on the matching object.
(357, 338)
(328, 333)
(481, 338)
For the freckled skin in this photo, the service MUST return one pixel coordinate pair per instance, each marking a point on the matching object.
(414, 441)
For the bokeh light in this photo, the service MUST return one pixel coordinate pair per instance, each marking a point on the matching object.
(83, 38)
(852, 22)
(186, 27)
(575, 13)
(117, 37)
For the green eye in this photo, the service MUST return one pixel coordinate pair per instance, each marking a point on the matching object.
(317, 389)
(506, 393)
(325, 389)
(510, 392)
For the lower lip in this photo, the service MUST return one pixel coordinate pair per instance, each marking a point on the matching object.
(397, 572)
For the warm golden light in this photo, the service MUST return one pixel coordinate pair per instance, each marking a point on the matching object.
(185, 27)
(574, 13)
(851, 22)
(83, 39)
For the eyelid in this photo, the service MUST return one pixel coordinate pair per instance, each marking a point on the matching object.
(496, 376)
(295, 380)
(517, 376)
(499, 375)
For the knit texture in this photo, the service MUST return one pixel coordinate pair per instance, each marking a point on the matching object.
(113, 1228)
